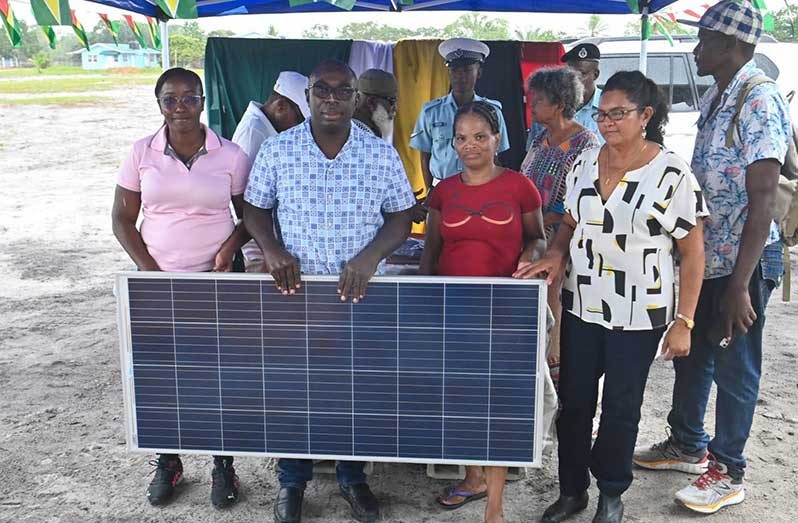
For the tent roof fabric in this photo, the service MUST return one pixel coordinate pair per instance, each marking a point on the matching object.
(239, 7)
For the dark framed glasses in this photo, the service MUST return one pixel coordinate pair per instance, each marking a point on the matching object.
(190, 101)
(343, 93)
(614, 114)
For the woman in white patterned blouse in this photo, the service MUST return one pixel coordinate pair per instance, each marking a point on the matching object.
(628, 204)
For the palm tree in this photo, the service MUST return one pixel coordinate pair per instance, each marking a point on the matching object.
(479, 26)
(595, 26)
(535, 34)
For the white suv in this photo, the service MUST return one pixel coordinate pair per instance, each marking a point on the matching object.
(673, 68)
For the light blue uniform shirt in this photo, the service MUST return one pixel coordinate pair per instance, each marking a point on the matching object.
(583, 117)
(329, 209)
(434, 133)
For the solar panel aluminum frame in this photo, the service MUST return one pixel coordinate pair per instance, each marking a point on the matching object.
(126, 357)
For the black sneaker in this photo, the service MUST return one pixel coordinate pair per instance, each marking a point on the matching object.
(224, 490)
(168, 473)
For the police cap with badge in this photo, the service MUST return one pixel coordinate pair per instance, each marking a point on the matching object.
(582, 53)
(458, 52)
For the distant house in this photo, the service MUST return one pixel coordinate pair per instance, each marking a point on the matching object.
(109, 56)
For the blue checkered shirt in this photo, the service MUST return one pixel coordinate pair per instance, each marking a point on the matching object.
(329, 210)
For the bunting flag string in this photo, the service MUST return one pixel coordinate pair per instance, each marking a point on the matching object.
(80, 33)
(155, 33)
(178, 8)
(11, 23)
(112, 26)
(136, 31)
(51, 12)
(49, 34)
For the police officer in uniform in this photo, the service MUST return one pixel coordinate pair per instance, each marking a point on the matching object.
(434, 128)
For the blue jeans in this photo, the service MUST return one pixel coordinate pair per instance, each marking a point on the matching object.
(297, 472)
(735, 370)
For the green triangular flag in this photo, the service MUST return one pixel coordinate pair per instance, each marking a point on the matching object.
(49, 34)
(51, 12)
(178, 8)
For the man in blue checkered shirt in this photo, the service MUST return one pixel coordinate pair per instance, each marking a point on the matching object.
(343, 208)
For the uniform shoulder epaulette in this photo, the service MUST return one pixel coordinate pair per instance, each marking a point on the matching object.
(433, 103)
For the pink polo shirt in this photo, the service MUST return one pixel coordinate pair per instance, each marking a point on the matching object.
(186, 213)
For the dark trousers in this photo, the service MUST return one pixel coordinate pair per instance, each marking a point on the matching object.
(587, 351)
(297, 472)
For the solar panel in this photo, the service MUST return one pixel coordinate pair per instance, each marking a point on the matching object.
(427, 370)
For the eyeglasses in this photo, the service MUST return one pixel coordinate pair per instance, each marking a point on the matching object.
(190, 101)
(343, 93)
(614, 114)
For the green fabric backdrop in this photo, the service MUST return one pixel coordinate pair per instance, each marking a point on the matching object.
(238, 70)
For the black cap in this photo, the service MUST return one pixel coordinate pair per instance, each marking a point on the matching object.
(582, 53)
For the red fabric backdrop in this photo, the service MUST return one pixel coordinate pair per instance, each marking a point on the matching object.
(535, 55)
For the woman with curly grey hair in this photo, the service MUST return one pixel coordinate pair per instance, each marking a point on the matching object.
(556, 94)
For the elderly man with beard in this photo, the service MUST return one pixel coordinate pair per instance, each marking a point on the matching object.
(376, 106)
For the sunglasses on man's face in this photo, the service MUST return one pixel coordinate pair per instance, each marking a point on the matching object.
(189, 101)
(343, 93)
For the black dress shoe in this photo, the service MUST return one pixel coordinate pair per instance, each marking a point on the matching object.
(610, 510)
(565, 507)
(288, 505)
(365, 507)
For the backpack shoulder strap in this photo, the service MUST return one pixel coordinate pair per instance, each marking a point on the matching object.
(746, 89)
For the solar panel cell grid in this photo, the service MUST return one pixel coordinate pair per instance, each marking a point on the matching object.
(422, 370)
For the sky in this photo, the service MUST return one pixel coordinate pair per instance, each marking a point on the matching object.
(292, 25)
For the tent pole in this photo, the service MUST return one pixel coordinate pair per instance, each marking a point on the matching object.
(164, 44)
(644, 35)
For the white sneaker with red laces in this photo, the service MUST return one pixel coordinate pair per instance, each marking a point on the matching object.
(712, 491)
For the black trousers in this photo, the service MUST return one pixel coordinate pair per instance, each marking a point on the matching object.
(587, 351)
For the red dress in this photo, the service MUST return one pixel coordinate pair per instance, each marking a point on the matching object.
(481, 225)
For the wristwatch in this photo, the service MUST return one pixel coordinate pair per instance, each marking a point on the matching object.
(687, 321)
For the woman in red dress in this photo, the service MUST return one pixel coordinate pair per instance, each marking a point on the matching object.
(486, 221)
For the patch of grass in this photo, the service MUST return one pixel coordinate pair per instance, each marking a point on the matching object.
(61, 70)
(56, 100)
(74, 85)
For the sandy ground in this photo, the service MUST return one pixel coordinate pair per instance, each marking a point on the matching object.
(62, 451)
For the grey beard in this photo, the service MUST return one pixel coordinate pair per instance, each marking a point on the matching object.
(383, 121)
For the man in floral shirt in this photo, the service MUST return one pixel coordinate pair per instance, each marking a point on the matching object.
(739, 184)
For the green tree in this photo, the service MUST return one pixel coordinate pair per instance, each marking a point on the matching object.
(187, 45)
(42, 60)
(535, 34)
(33, 42)
(272, 31)
(191, 29)
(479, 26)
(376, 32)
(317, 32)
(221, 33)
(632, 28)
(785, 21)
(186, 50)
(595, 26)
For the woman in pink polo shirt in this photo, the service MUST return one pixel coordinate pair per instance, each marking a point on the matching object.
(183, 180)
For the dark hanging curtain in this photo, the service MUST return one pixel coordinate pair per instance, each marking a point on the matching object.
(501, 80)
(238, 70)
